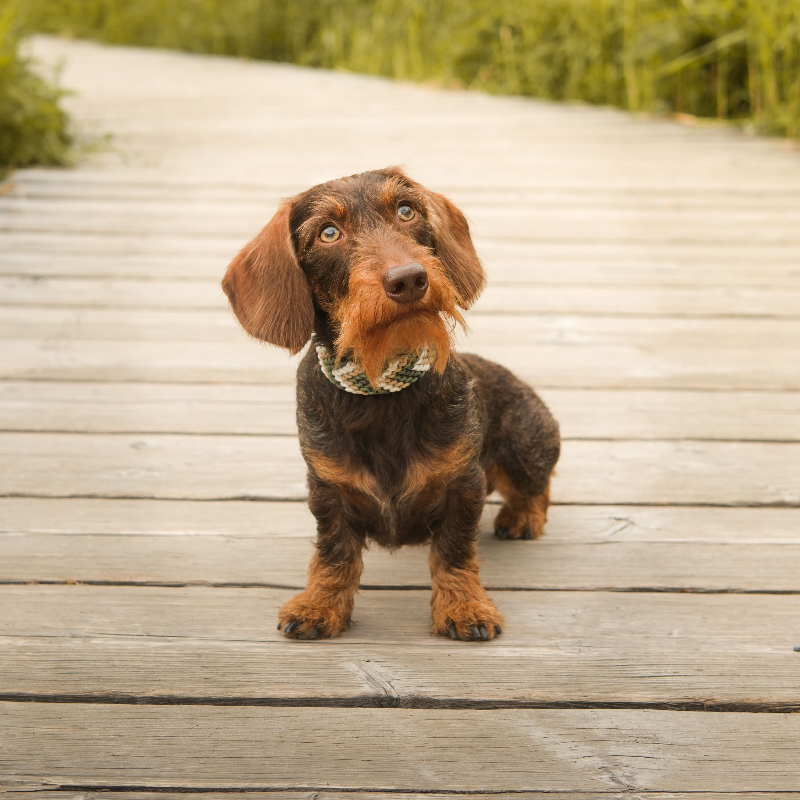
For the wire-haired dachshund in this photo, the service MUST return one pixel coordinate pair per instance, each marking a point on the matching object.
(403, 438)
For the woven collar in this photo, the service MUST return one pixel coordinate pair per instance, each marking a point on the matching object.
(350, 376)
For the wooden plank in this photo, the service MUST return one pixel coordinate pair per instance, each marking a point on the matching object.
(501, 298)
(101, 192)
(123, 644)
(89, 183)
(564, 623)
(177, 672)
(564, 224)
(42, 793)
(264, 409)
(46, 255)
(486, 330)
(275, 560)
(399, 749)
(154, 408)
(572, 362)
(271, 468)
(574, 524)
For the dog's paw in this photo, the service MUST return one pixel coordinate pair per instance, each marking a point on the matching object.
(470, 621)
(302, 618)
(521, 523)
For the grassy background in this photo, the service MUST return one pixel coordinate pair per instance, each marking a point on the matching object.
(733, 59)
(33, 127)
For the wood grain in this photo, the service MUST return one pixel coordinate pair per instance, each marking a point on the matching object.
(183, 646)
(570, 364)
(576, 524)
(278, 560)
(203, 747)
(270, 467)
(22, 792)
(108, 407)
(497, 298)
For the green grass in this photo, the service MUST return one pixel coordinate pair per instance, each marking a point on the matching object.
(730, 59)
(33, 127)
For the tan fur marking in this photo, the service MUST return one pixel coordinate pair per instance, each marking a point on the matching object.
(522, 517)
(438, 469)
(460, 600)
(327, 603)
(344, 476)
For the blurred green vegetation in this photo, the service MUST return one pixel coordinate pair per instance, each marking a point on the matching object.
(33, 127)
(731, 59)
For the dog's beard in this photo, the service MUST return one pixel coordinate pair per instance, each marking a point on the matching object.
(375, 329)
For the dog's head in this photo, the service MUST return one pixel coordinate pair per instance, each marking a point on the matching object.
(375, 261)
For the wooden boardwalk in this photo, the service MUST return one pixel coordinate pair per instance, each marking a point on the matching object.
(643, 274)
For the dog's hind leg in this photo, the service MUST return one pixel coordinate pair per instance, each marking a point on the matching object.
(521, 468)
(521, 516)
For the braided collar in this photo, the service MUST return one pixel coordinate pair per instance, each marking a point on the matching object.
(350, 376)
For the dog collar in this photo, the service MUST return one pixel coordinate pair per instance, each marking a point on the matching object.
(350, 376)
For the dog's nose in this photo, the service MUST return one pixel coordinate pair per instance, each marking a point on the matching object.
(406, 284)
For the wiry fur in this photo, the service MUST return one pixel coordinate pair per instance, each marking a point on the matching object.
(373, 328)
(403, 468)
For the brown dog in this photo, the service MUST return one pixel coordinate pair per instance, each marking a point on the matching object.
(403, 439)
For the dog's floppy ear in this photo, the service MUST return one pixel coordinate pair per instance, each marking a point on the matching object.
(455, 249)
(267, 289)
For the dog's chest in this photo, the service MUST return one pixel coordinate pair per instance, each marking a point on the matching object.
(395, 484)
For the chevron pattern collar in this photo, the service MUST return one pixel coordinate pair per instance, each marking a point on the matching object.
(349, 376)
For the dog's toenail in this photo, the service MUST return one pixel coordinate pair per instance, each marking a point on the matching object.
(498, 629)
(452, 629)
(290, 627)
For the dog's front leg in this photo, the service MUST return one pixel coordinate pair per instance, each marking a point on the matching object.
(460, 607)
(324, 608)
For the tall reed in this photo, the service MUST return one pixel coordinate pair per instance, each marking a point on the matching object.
(732, 59)
(33, 127)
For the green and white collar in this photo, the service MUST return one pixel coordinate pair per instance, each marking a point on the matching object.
(350, 376)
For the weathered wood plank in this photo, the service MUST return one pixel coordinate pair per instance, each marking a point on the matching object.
(717, 335)
(43, 793)
(729, 625)
(146, 671)
(122, 644)
(500, 298)
(399, 749)
(576, 524)
(164, 408)
(563, 224)
(527, 264)
(247, 409)
(570, 363)
(118, 643)
(89, 184)
(277, 560)
(267, 467)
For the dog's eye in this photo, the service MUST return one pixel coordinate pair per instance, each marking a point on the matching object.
(330, 234)
(406, 213)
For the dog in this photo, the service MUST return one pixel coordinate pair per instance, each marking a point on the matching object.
(403, 438)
